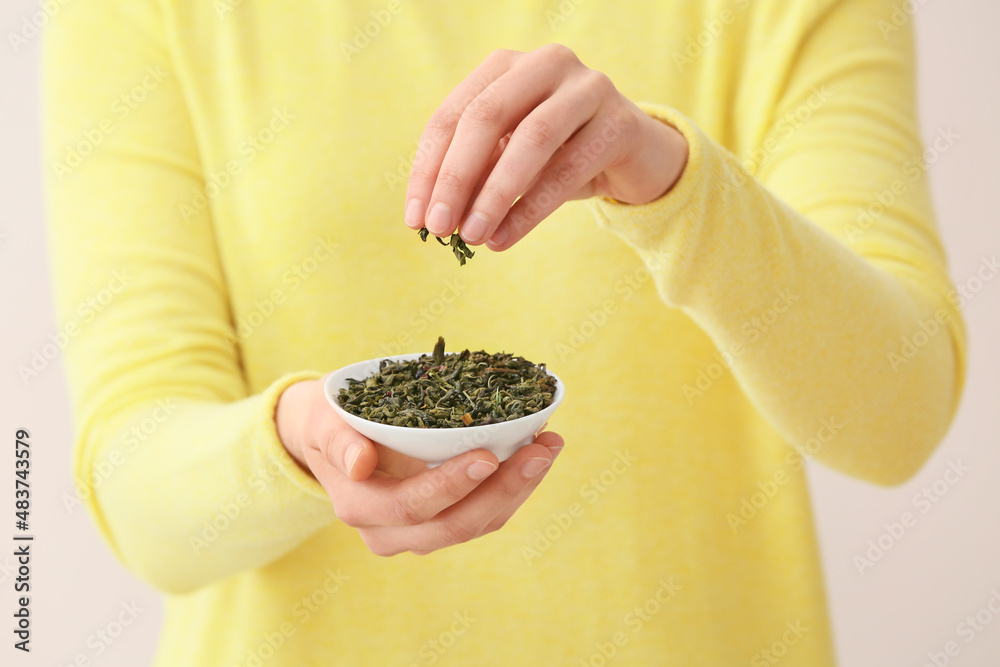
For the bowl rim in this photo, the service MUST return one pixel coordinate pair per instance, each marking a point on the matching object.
(557, 398)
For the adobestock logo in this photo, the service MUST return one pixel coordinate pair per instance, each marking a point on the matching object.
(121, 109)
(913, 169)
(87, 310)
(142, 428)
(562, 12)
(767, 489)
(432, 650)
(972, 626)
(591, 491)
(101, 640)
(264, 307)
(779, 648)
(924, 501)
(363, 35)
(712, 30)
(635, 620)
(32, 25)
(218, 179)
(424, 317)
(752, 329)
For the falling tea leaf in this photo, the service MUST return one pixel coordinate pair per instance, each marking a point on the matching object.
(457, 245)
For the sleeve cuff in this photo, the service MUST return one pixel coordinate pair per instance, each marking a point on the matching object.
(632, 221)
(271, 445)
(669, 234)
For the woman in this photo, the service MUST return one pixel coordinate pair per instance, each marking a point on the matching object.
(764, 254)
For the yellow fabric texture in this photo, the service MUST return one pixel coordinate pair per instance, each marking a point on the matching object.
(240, 169)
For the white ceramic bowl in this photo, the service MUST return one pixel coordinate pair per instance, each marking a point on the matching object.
(434, 446)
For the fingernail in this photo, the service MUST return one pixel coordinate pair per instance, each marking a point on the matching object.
(474, 228)
(414, 215)
(480, 470)
(440, 218)
(351, 457)
(534, 466)
(555, 450)
(499, 236)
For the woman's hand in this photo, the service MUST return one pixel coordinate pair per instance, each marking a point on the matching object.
(540, 126)
(396, 503)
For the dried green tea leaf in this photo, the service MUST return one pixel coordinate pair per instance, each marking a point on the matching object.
(458, 247)
(450, 390)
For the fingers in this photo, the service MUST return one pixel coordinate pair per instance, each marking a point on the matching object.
(440, 129)
(485, 509)
(388, 501)
(571, 174)
(340, 447)
(491, 166)
(532, 145)
(460, 137)
(572, 135)
(487, 118)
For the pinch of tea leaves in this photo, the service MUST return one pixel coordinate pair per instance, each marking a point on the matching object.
(458, 246)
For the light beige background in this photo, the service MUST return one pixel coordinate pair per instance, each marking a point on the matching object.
(908, 604)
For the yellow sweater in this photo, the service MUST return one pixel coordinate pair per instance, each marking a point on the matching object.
(226, 185)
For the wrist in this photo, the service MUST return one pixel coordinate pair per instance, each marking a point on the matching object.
(668, 155)
(292, 415)
(652, 165)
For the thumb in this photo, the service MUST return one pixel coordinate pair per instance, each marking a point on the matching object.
(339, 445)
(350, 452)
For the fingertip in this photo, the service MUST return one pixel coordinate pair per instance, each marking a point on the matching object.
(440, 221)
(471, 457)
(413, 216)
(551, 440)
(474, 228)
(499, 238)
(535, 466)
(360, 459)
(481, 469)
(539, 455)
(351, 455)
